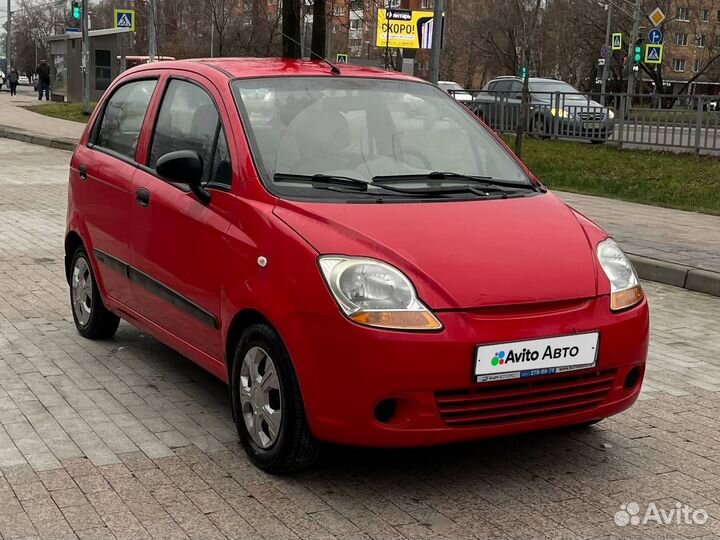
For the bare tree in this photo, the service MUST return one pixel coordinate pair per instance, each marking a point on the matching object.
(291, 47)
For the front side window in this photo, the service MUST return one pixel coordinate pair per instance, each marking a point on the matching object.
(364, 129)
(188, 120)
(122, 119)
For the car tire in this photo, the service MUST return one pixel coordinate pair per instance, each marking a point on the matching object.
(92, 319)
(263, 383)
(538, 128)
(598, 141)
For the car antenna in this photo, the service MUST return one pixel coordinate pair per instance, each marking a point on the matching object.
(333, 68)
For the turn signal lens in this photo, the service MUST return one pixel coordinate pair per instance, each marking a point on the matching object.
(627, 298)
(405, 320)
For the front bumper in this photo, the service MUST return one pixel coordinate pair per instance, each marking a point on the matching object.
(346, 370)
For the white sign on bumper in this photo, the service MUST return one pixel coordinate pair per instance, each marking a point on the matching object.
(535, 357)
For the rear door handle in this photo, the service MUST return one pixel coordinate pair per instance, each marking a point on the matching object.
(142, 196)
(82, 171)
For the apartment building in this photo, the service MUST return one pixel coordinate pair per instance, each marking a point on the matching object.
(692, 40)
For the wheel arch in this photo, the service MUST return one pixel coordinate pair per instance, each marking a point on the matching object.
(72, 242)
(242, 320)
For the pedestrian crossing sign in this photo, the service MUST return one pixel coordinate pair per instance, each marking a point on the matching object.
(125, 18)
(341, 58)
(653, 54)
(617, 41)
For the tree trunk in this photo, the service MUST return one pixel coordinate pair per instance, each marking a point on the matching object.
(291, 29)
(319, 29)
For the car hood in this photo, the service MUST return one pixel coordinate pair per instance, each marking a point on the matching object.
(461, 254)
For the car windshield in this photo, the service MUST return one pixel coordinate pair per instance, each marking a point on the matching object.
(363, 128)
(544, 90)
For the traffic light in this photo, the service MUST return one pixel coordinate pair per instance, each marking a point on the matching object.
(76, 10)
(523, 72)
(638, 54)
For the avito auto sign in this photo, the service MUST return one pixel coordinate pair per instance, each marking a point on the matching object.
(403, 29)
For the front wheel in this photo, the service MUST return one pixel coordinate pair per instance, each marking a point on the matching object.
(267, 405)
(92, 319)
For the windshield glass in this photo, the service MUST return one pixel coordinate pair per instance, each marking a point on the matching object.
(365, 128)
(552, 87)
(450, 86)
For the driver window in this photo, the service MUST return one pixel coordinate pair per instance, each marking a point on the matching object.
(188, 120)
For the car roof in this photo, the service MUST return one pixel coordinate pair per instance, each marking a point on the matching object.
(531, 79)
(274, 67)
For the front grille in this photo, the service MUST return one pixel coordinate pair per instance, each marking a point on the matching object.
(591, 116)
(506, 402)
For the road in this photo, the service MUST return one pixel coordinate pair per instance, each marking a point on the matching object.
(126, 439)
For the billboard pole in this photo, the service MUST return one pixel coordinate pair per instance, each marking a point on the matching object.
(436, 42)
(387, 37)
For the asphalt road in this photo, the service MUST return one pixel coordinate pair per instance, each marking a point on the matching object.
(127, 439)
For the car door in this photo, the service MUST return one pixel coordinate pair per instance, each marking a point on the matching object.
(102, 181)
(178, 242)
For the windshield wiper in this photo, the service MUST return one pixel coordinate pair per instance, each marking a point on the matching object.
(486, 181)
(349, 184)
(322, 180)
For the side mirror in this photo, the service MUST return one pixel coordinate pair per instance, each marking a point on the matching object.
(184, 167)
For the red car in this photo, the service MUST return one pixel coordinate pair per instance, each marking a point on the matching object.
(352, 251)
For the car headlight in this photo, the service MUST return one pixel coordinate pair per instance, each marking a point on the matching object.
(611, 114)
(625, 289)
(374, 293)
(560, 113)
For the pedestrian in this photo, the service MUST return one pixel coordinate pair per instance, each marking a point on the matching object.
(43, 72)
(13, 81)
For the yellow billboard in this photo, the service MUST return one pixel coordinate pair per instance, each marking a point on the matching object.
(404, 29)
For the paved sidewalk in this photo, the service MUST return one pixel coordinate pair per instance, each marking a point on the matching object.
(18, 123)
(126, 439)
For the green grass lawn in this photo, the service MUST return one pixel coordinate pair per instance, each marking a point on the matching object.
(66, 111)
(678, 181)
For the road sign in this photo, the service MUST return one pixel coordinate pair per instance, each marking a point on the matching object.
(604, 52)
(601, 61)
(341, 58)
(617, 41)
(72, 30)
(657, 17)
(653, 54)
(655, 36)
(124, 18)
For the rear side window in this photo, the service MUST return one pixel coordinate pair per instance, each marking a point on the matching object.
(189, 120)
(122, 119)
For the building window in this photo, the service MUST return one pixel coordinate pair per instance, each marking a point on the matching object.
(681, 39)
(678, 64)
(355, 24)
(697, 65)
(705, 15)
(427, 4)
(103, 69)
(683, 14)
(339, 11)
(700, 40)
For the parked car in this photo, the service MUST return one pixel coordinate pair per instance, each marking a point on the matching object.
(456, 91)
(279, 252)
(23, 80)
(556, 108)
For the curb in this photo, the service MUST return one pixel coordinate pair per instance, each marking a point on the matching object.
(60, 143)
(677, 275)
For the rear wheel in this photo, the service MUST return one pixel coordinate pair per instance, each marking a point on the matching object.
(92, 319)
(538, 128)
(267, 404)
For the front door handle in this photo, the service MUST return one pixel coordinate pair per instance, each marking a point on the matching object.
(82, 171)
(142, 196)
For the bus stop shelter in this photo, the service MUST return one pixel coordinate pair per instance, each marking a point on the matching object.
(106, 46)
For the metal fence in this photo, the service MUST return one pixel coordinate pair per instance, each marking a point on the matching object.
(684, 123)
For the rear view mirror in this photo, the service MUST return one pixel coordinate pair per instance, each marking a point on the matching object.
(184, 167)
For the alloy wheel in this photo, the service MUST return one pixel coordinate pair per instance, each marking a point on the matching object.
(260, 397)
(82, 291)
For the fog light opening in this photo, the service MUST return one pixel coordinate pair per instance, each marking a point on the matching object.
(385, 410)
(632, 378)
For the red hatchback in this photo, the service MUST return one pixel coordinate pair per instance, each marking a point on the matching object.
(354, 253)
